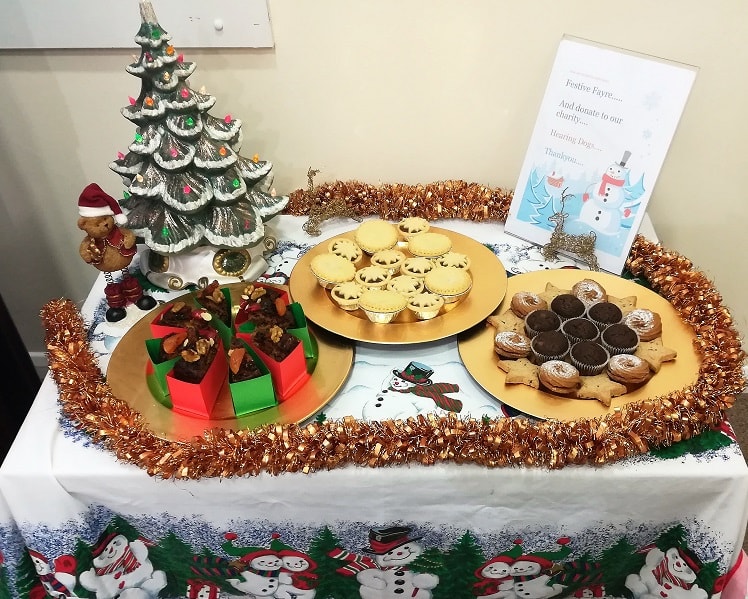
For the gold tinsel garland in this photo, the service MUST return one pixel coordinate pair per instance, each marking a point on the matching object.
(632, 429)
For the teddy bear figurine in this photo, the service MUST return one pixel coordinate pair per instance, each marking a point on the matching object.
(109, 248)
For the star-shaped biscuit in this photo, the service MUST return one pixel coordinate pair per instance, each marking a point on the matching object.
(551, 291)
(655, 353)
(520, 372)
(626, 304)
(601, 388)
(508, 321)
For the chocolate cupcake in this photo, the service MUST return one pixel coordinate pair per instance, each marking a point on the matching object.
(549, 345)
(539, 321)
(580, 329)
(567, 306)
(604, 314)
(588, 357)
(619, 339)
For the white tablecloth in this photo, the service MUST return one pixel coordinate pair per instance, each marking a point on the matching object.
(643, 527)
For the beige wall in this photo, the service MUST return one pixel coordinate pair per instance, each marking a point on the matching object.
(381, 91)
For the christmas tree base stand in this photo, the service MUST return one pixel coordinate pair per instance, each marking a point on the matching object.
(206, 263)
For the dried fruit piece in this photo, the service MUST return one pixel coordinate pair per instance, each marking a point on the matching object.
(236, 357)
(177, 306)
(173, 341)
(280, 306)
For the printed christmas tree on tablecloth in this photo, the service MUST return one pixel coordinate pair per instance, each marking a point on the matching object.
(187, 185)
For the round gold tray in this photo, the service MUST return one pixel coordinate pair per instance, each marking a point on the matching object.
(126, 375)
(476, 350)
(489, 285)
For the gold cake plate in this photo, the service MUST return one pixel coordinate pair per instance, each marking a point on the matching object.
(489, 285)
(128, 379)
(476, 350)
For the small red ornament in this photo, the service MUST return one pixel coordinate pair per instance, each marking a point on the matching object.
(132, 100)
(180, 58)
(174, 153)
(227, 119)
(186, 189)
(185, 93)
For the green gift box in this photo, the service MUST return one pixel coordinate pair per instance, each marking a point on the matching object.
(254, 394)
(160, 369)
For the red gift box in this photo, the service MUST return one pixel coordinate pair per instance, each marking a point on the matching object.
(159, 330)
(288, 376)
(198, 399)
(241, 315)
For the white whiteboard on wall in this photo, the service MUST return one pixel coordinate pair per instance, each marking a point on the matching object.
(40, 24)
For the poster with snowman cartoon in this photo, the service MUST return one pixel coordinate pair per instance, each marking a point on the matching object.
(604, 127)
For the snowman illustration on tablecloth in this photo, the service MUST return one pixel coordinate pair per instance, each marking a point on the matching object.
(121, 568)
(667, 574)
(278, 571)
(409, 392)
(58, 581)
(384, 569)
(514, 574)
(608, 201)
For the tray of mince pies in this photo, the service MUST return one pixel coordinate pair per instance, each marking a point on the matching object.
(562, 338)
(404, 282)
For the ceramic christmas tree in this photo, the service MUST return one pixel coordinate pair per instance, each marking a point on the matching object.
(189, 192)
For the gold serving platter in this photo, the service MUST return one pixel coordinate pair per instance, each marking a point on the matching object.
(127, 377)
(476, 350)
(489, 285)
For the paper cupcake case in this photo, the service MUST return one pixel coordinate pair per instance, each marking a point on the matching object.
(198, 399)
(160, 369)
(254, 394)
(159, 330)
(288, 375)
(241, 315)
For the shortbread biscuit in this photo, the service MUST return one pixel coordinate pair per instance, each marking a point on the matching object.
(520, 372)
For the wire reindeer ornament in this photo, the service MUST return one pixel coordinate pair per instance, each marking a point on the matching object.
(319, 213)
(580, 244)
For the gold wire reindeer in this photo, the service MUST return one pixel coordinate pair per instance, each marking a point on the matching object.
(580, 244)
(319, 213)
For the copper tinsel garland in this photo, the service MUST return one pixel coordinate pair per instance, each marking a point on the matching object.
(634, 428)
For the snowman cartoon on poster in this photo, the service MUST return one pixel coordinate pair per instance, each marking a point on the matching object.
(608, 202)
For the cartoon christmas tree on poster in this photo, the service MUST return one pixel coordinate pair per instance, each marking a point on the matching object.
(187, 185)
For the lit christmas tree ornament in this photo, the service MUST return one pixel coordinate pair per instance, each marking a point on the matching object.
(189, 187)
(132, 100)
(120, 156)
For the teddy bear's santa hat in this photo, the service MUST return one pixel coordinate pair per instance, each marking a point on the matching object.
(94, 201)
